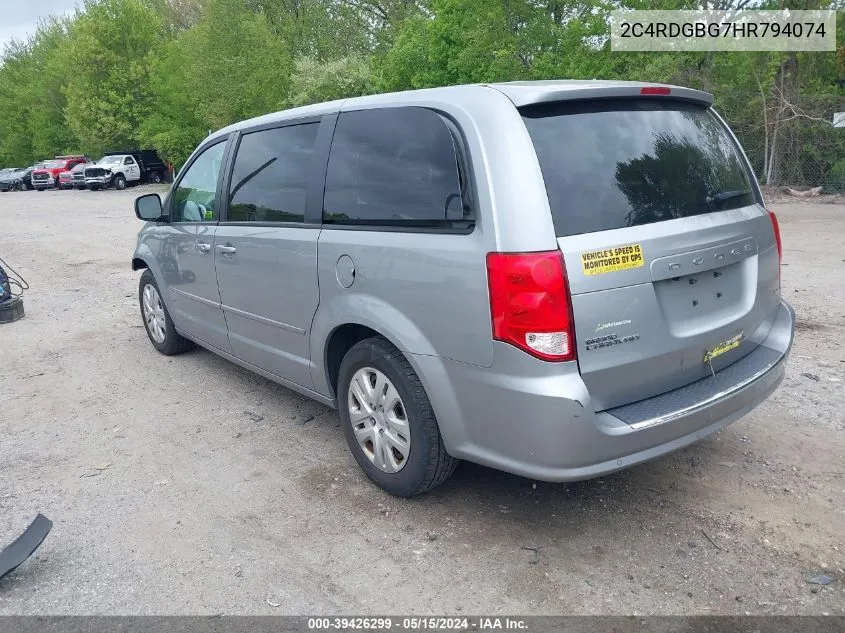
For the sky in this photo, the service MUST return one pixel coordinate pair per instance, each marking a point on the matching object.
(18, 18)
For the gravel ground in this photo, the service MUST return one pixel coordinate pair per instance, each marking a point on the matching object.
(190, 486)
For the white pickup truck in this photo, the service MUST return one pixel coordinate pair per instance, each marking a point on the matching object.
(120, 170)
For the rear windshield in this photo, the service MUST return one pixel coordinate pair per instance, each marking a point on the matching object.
(615, 163)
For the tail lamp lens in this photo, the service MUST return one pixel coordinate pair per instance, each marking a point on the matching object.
(530, 303)
(776, 229)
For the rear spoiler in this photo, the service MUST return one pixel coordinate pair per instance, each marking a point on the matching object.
(530, 93)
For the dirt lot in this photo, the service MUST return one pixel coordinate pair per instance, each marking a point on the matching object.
(219, 497)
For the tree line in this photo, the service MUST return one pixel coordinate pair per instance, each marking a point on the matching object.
(163, 73)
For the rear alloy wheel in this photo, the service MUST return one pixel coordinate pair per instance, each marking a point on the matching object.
(388, 420)
(19, 186)
(379, 420)
(155, 177)
(119, 182)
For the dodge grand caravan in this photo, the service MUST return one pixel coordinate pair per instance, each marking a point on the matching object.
(557, 279)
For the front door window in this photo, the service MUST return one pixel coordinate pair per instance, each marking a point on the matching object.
(195, 197)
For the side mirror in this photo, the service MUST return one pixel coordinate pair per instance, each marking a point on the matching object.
(148, 207)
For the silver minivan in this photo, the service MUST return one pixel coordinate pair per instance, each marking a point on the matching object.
(556, 279)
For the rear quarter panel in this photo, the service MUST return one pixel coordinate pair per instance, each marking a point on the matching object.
(425, 293)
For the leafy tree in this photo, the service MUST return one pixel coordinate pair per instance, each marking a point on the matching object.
(314, 82)
(32, 102)
(111, 46)
(163, 73)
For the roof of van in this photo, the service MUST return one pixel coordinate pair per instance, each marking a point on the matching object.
(521, 93)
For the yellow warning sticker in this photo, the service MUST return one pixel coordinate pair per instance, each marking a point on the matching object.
(609, 260)
(723, 347)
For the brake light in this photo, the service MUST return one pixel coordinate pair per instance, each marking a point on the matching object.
(655, 90)
(776, 229)
(530, 303)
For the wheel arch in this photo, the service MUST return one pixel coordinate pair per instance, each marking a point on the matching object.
(343, 320)
(338, 343)
(144, 259)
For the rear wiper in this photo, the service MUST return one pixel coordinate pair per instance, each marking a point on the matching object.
(722, 196)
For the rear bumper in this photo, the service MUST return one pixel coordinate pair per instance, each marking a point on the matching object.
(538, 421)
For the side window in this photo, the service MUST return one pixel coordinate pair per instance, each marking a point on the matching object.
(128, 161)
(194, 198)
(270, 175)
(393, 167)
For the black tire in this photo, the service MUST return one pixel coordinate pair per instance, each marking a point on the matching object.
(94, 187)
(428, 464)
(173, 342)
(155, 177)
(11, 310)
(20, 187)
(119, 182)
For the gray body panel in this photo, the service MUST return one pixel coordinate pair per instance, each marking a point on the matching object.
(268, 291)
(273, 305)
(399, 288)
(676, 318)
(537, 419)
(192, 297)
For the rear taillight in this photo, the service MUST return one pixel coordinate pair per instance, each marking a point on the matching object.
(530, 303)
(776, 229)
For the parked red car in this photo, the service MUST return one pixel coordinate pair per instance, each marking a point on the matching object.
(48, 176)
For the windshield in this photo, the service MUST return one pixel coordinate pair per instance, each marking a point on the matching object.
(53, 164)
(616, 163)
(110, 160)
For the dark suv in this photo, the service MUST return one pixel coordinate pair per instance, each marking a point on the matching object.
(19, 180)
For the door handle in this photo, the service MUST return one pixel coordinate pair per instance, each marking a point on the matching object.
(226, 249)
(202, 247)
